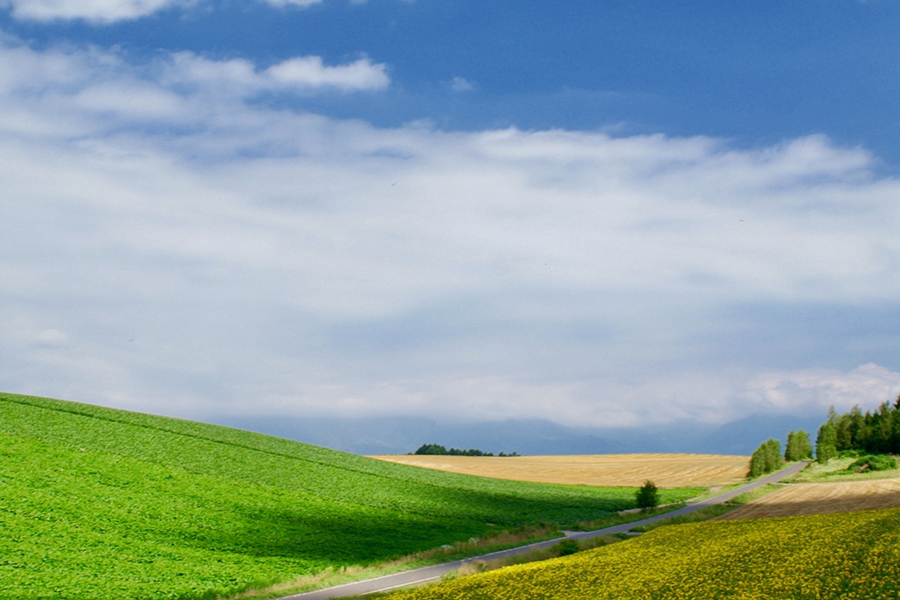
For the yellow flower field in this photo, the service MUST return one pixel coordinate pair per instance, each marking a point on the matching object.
(848, 556)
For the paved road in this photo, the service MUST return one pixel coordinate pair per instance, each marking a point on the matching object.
(425, 574)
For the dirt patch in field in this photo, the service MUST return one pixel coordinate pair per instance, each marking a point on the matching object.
(665, 470)
(819, 498)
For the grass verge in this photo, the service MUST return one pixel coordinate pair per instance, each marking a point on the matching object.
(836, 470)
(714, 511)
(448, 553)
(621, 519)
(565, 548)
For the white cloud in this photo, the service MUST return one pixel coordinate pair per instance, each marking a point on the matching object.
(816, 389)
(300, 73)
(96, 11)
(204, 253)
(301, 3)
(309, 71)
(460, 84)
(108, 11)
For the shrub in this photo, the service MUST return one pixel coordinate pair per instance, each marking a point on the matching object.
(648, 495)
(567, 547)
(873, 463)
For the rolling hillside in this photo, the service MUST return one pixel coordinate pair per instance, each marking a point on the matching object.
(97, 503)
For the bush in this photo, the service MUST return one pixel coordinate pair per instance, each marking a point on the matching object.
(648, 495)
(567, 547)
(873, 463)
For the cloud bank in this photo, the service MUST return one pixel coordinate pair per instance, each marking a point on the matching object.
(171, 244)
(95, 11)
(104, 12)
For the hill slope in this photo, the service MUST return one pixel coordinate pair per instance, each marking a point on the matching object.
(98, 502)
(848, 556)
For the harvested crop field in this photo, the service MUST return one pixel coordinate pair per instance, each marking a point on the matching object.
(665, 470)
(820, 498)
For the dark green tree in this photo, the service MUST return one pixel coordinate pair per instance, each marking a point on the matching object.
(773, 456)
(758, 462)
(826, 442)
(790, 447)
(431, 449)
(648, 495)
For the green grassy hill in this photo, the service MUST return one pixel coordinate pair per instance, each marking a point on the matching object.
(846, 556)
(101, 503)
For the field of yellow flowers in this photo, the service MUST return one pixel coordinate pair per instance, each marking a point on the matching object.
(847, 556)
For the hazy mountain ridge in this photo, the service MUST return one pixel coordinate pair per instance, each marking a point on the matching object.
(399, 435)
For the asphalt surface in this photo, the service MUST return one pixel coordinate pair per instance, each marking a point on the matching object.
(426, 574)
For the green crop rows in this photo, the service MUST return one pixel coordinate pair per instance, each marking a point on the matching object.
(100, 503)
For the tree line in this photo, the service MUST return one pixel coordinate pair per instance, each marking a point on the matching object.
(768, 458)
(441, 450)
(876, 432)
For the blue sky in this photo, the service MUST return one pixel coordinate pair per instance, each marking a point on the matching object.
(754, 73)
(594, 213)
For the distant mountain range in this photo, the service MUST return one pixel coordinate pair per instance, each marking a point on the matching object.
(400, 435)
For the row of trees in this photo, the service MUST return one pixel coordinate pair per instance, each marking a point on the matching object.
(440, 450)
(876, 432)
(767, 458)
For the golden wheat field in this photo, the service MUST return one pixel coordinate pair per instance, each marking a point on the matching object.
(849, 556)
(819, 498)
(665, 470)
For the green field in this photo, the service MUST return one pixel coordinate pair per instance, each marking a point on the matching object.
(100, 503)
(845, 556)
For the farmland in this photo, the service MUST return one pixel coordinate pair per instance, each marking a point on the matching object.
(818, 498)
(848, 555)
(666, 470)
(96, 502)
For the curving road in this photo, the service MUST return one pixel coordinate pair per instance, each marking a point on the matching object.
(425, 574)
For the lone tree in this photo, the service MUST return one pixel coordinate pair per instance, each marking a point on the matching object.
(648, 496)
